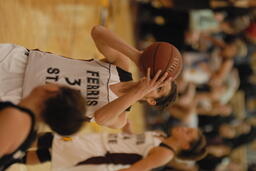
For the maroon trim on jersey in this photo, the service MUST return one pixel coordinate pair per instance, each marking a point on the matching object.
(112, 158)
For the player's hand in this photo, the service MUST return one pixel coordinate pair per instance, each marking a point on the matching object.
(146, 84)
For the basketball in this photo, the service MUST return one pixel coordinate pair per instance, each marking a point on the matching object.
(161, 56)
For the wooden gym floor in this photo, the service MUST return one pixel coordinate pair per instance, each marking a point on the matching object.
(63, 27)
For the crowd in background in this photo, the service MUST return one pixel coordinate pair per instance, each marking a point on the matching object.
(217, 39)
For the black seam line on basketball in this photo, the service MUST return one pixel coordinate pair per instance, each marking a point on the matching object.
(144, 66)
(154, 59)
(166, 68)
(180, 68)
(108, 81)
(101, 65)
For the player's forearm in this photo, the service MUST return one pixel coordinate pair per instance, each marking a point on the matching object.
(216, 110)
(110, 113)
(189, 97)
(224, 70)
(202, 111)
(107, 37)
(2, 152)
(157, 157)
(148, 163)
(215, 41)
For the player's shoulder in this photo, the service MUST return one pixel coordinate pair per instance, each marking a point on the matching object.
(123, 63)
(13, 116)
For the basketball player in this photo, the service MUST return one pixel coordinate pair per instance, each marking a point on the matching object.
(111, 152)
(107, 85)
(46, 103)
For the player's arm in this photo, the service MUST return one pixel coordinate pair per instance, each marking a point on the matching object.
(188, 98)
(12, 123)
(113, 112)
(157, 157)
(222, 73)
(109, 115)
(217, 109)
(120, 121)
(113, 48)
(183, 166)
(216, 42)
(4, 143)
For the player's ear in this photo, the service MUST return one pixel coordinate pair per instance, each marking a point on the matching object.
(151, 101)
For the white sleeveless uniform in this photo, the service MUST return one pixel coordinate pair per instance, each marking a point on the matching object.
(67, 154)
(13, 60)
(92, 77)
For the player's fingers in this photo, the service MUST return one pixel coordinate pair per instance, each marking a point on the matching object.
(167, 81)
(163, 78)
(156, 76)
(148, 73)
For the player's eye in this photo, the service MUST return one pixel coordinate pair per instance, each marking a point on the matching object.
(159, 89)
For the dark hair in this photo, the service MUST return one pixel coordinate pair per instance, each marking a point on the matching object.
(65, 112)
(165, 101)
(252, 167)
(197, 150)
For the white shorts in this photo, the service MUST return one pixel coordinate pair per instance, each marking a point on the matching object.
(66, 154)
(13, 60)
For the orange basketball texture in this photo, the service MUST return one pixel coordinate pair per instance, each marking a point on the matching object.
(164, 56)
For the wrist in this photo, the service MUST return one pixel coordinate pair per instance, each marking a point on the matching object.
(138, 93)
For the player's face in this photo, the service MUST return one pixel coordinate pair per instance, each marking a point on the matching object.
(227, 131)
(160, 92)
(184, 135)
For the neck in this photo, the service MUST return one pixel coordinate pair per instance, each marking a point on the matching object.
(173, 143)
(32, 104)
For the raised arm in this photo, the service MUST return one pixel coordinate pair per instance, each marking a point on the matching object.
(113, 114)
(188, 98)
(113, 48)
(157, 157)
(220, 75)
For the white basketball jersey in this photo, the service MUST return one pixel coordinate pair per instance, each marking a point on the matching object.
(92, 77)
(13, 60)
(67, 154)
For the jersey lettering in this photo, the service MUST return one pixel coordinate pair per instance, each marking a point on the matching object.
(140, 139)
(75, 82)
(53, 75)
(112, 138)
(53, 70)
(93, 85)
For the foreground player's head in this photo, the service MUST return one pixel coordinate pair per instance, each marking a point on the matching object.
(163, 96)
(62, 108)
(191, 143)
